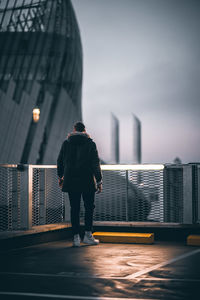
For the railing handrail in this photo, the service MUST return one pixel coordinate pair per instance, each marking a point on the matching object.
(105, 167)
(137, 167)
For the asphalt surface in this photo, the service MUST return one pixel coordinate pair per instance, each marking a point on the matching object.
(56, 270)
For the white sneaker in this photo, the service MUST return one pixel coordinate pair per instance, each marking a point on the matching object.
(77, 240)
(89, 239)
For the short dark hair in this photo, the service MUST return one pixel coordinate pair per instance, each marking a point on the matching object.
(79, 126)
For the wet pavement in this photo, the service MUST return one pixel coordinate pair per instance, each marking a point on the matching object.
(164, 270)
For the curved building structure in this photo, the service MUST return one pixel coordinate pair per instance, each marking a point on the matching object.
(40, 66)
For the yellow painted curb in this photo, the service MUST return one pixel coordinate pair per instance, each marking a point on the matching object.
(193, 240)
(124, 237)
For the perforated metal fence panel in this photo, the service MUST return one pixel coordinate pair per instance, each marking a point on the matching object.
(196, 192)
(12, 202)
(173, 202)
(111, 204)
(6, 195)
(145, 195)
(130, 195)
(47, 198)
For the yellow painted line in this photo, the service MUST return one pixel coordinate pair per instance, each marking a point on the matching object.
(124, 237)
(193, 240)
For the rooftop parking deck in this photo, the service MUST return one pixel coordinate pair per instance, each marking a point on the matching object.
(164, 270)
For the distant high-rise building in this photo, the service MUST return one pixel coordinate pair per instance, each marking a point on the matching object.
(114, 139)
(137, 156)
(126, 140)
(40, 66)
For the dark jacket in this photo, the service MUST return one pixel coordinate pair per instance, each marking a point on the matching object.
(78, 162)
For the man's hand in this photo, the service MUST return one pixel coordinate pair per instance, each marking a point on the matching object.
(60, 182)
(99, 188)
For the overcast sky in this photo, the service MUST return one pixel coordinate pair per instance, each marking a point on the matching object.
(142, 57)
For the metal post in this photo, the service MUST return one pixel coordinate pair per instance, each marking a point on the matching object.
(25, 196)
(9, 199)
(187, 194)
(198, 191)
(127, 195)
(15, 205)
(30, 196)
(42, 196)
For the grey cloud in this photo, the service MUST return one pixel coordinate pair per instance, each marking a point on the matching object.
(143, 56)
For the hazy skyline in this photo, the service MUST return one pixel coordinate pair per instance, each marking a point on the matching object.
(142, 57)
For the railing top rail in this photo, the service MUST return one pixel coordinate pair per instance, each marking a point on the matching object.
(115, 167)
(103, 167)
(133, 167)
(28, 165)
(111, 167)
(43, 166)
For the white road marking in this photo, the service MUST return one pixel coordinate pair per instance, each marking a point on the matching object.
(67, 296)
(145, 271)
(168, 279)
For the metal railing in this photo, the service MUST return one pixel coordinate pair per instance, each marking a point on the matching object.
(30, 195)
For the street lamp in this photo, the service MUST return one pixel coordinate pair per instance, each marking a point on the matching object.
(36, 114)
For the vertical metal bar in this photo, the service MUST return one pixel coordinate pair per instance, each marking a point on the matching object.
(30, 195)
(19, 199)
(187, 194)
(45, 196)
(23, 187)
(161, 194)
(14, 200)
(198, 192)
(9, 198)
(42, 196)
(165, 193)
(127, 195)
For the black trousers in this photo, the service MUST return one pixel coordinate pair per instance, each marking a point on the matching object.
(75, 199)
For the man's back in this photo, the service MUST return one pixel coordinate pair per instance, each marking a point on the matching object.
(79, 148)
(78, 161)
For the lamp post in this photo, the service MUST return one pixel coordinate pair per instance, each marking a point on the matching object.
(36, 115)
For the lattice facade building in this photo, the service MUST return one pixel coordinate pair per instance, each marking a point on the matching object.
(40, 66)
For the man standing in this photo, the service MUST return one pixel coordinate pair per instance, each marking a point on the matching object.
(80, 174)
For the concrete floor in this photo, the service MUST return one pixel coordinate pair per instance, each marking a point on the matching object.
(108, 271)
